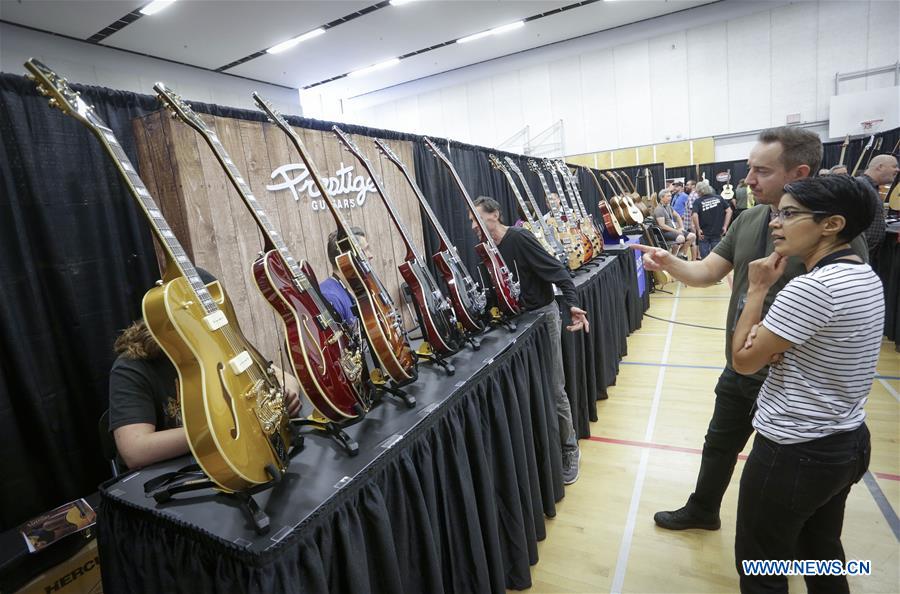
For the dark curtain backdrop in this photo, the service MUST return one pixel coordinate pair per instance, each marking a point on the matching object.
(76, 257)
(855, 148)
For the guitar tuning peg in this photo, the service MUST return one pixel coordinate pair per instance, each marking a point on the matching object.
(29, 76)
(54, 103)
(42, 90)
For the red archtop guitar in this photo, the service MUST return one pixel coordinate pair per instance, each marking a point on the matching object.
(435, 314)
(505, 285)
(466, 295)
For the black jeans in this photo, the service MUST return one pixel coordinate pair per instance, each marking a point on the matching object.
(728, 432)
(791, 505)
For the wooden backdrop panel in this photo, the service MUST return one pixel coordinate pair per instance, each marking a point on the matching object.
(219, 234)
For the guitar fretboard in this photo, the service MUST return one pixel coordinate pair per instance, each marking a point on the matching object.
(553, 210)
(419, 195)
(158, 222)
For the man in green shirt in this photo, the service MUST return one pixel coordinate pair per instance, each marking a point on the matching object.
(780, 156)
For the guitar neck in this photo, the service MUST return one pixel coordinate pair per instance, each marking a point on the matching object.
(597, 183)
(553, 210)
(273, 239)
(160, 227)
(442, 234)
(567, 177)
(528, 193)
(411, 252)
(512, 184)
(561, 193)
(462, 189)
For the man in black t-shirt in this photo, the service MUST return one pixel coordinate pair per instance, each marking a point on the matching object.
(711, 215)
(144, 404)
(537, 273)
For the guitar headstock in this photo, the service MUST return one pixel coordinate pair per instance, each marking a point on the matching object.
(512, 165)
(272, 114)
(496, 163)
(62, 97)
(346, 140)
(534, 166)
(548, 165)
(385, 150)
(180, 109)
(436, 151)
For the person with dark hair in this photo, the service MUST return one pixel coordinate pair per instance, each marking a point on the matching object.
(331, 288)
(537, 273)
(144, 405)
(822, 336)
(781, 155)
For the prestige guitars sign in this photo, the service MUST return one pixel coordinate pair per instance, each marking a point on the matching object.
(295, 177)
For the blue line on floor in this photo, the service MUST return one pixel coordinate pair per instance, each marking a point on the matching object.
(720, 368)
(883, 504)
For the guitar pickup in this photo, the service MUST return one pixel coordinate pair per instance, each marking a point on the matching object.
(216, 320)
(240, 363)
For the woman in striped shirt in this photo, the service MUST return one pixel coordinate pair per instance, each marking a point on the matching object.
(822, 336)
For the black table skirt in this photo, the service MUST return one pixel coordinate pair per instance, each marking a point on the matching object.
(889, 271)
(457, 505)
(608, 292)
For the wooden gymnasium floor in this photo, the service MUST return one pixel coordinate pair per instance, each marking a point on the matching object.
(645, 453)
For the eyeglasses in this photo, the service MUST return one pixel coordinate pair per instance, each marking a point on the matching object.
(786, 214)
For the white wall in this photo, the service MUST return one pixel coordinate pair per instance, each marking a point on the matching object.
(749, 65)
(91, 64)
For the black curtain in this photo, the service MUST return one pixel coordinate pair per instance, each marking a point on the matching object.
(738, 169)
(75, 259)
(685, 171)
(855, 148)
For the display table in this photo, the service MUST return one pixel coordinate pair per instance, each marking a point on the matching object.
(449, 496)
(889, 271)
(608, 291)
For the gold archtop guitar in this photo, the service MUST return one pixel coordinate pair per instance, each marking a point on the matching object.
(233, 409)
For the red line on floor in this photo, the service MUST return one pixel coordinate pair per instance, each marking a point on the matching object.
(659, 446)
(654, 446)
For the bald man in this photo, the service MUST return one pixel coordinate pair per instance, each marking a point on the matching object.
(882, 170)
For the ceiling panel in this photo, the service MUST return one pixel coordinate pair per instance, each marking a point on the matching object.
(385, 34)
(212, 34)
(566, 25)
(76, 18)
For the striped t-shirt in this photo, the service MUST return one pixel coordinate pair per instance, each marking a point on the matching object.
(834, 316)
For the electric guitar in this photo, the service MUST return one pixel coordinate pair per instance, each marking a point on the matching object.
(558, 221)
(572, 218)
(326, 362)
(587, 224)
(436, 317)
(530, 224)
(233, 409)
(505, 285)
(380, 319)
(467, 296)
(549, 232)
(609, 218)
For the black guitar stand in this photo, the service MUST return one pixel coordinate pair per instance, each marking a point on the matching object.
(380, 386)
(334, 429)
(425, 351)
(192, 478)
(474, 341)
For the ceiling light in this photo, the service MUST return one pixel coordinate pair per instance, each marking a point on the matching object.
(400, 2)
(494, 31)
(156, 6)
(286, 45)
(374, 67)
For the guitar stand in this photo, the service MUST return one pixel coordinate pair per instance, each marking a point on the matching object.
(191, 478)
(333, 430)
(473, 341)
(425, 351)
(379, 384)
(498, 320)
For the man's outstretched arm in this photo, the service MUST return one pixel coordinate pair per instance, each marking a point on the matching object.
(699, 273)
